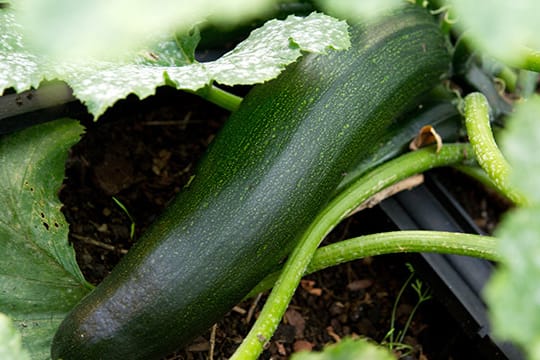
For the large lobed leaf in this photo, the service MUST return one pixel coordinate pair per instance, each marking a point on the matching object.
(39, 277)
(87, 28)
(99, 84)
(513, 293)
(348, 349)
(505, 29)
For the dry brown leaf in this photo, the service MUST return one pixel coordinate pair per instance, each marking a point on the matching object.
(426, 136)
(405, 184)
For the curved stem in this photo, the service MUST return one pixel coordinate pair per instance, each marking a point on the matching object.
(298, 261)
(392, 242)
(478, 174)
(220, 97)
(486, 150)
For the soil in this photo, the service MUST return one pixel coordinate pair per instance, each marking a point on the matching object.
(141, 153)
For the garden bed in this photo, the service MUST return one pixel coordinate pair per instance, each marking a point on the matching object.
(141, 153)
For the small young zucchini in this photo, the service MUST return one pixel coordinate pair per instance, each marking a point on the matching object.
(261, 183)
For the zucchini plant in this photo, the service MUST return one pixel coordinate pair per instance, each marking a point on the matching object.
(271, 185)
(261, 183)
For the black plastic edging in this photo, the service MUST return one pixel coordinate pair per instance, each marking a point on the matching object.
(51, 101)
(457, 281)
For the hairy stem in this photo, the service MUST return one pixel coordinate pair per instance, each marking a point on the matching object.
(407, 241)
(348, 200)
(478, 174)
(487, 152)
(220, 97)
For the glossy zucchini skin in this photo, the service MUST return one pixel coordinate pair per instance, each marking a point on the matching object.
(260, 184)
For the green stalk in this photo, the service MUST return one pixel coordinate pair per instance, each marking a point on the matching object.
(348, 200)
(487, 152)
(409, 241)
(220, 97)
(531, 59)
(423, 296)
(478, 174)
(394, 310)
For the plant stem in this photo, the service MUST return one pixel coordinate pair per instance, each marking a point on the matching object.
(220, 97)
(345, 202)
(487, 152)
(423, 296)
(477, 173)
(125, 210)
(394, 310)
(531, 60)
(407, 241)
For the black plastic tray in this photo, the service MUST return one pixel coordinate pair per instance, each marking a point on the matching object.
(51, 101)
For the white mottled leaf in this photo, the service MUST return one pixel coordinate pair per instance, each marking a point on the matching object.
(99, 84)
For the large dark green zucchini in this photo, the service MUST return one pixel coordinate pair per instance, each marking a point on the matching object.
(264, 178)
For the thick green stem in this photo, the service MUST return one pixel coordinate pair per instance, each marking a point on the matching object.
(487, 152)
(348, 200)
(409, 241)
(220, 97)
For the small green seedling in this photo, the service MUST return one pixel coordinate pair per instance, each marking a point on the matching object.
(125, 210)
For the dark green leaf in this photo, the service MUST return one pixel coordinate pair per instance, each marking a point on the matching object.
(39, 277)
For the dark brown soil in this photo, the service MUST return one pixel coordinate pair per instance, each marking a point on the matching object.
(143, 152)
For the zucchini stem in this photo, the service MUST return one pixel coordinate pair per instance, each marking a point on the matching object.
(345, 202)
(485, 148)
(478, 174)
(220, 97)
(392, 242)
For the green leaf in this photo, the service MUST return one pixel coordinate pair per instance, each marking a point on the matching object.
(99, 84)
(39, 277)
(348, 349)
(19, 68)
(187, 43)
(359, 10)
(513, 292)
(520, 144)
(505, 29)
(268, 50)
(81, 29)
(10, 341)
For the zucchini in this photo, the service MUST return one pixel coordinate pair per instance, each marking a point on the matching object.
(443, 115)
(260, 184)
